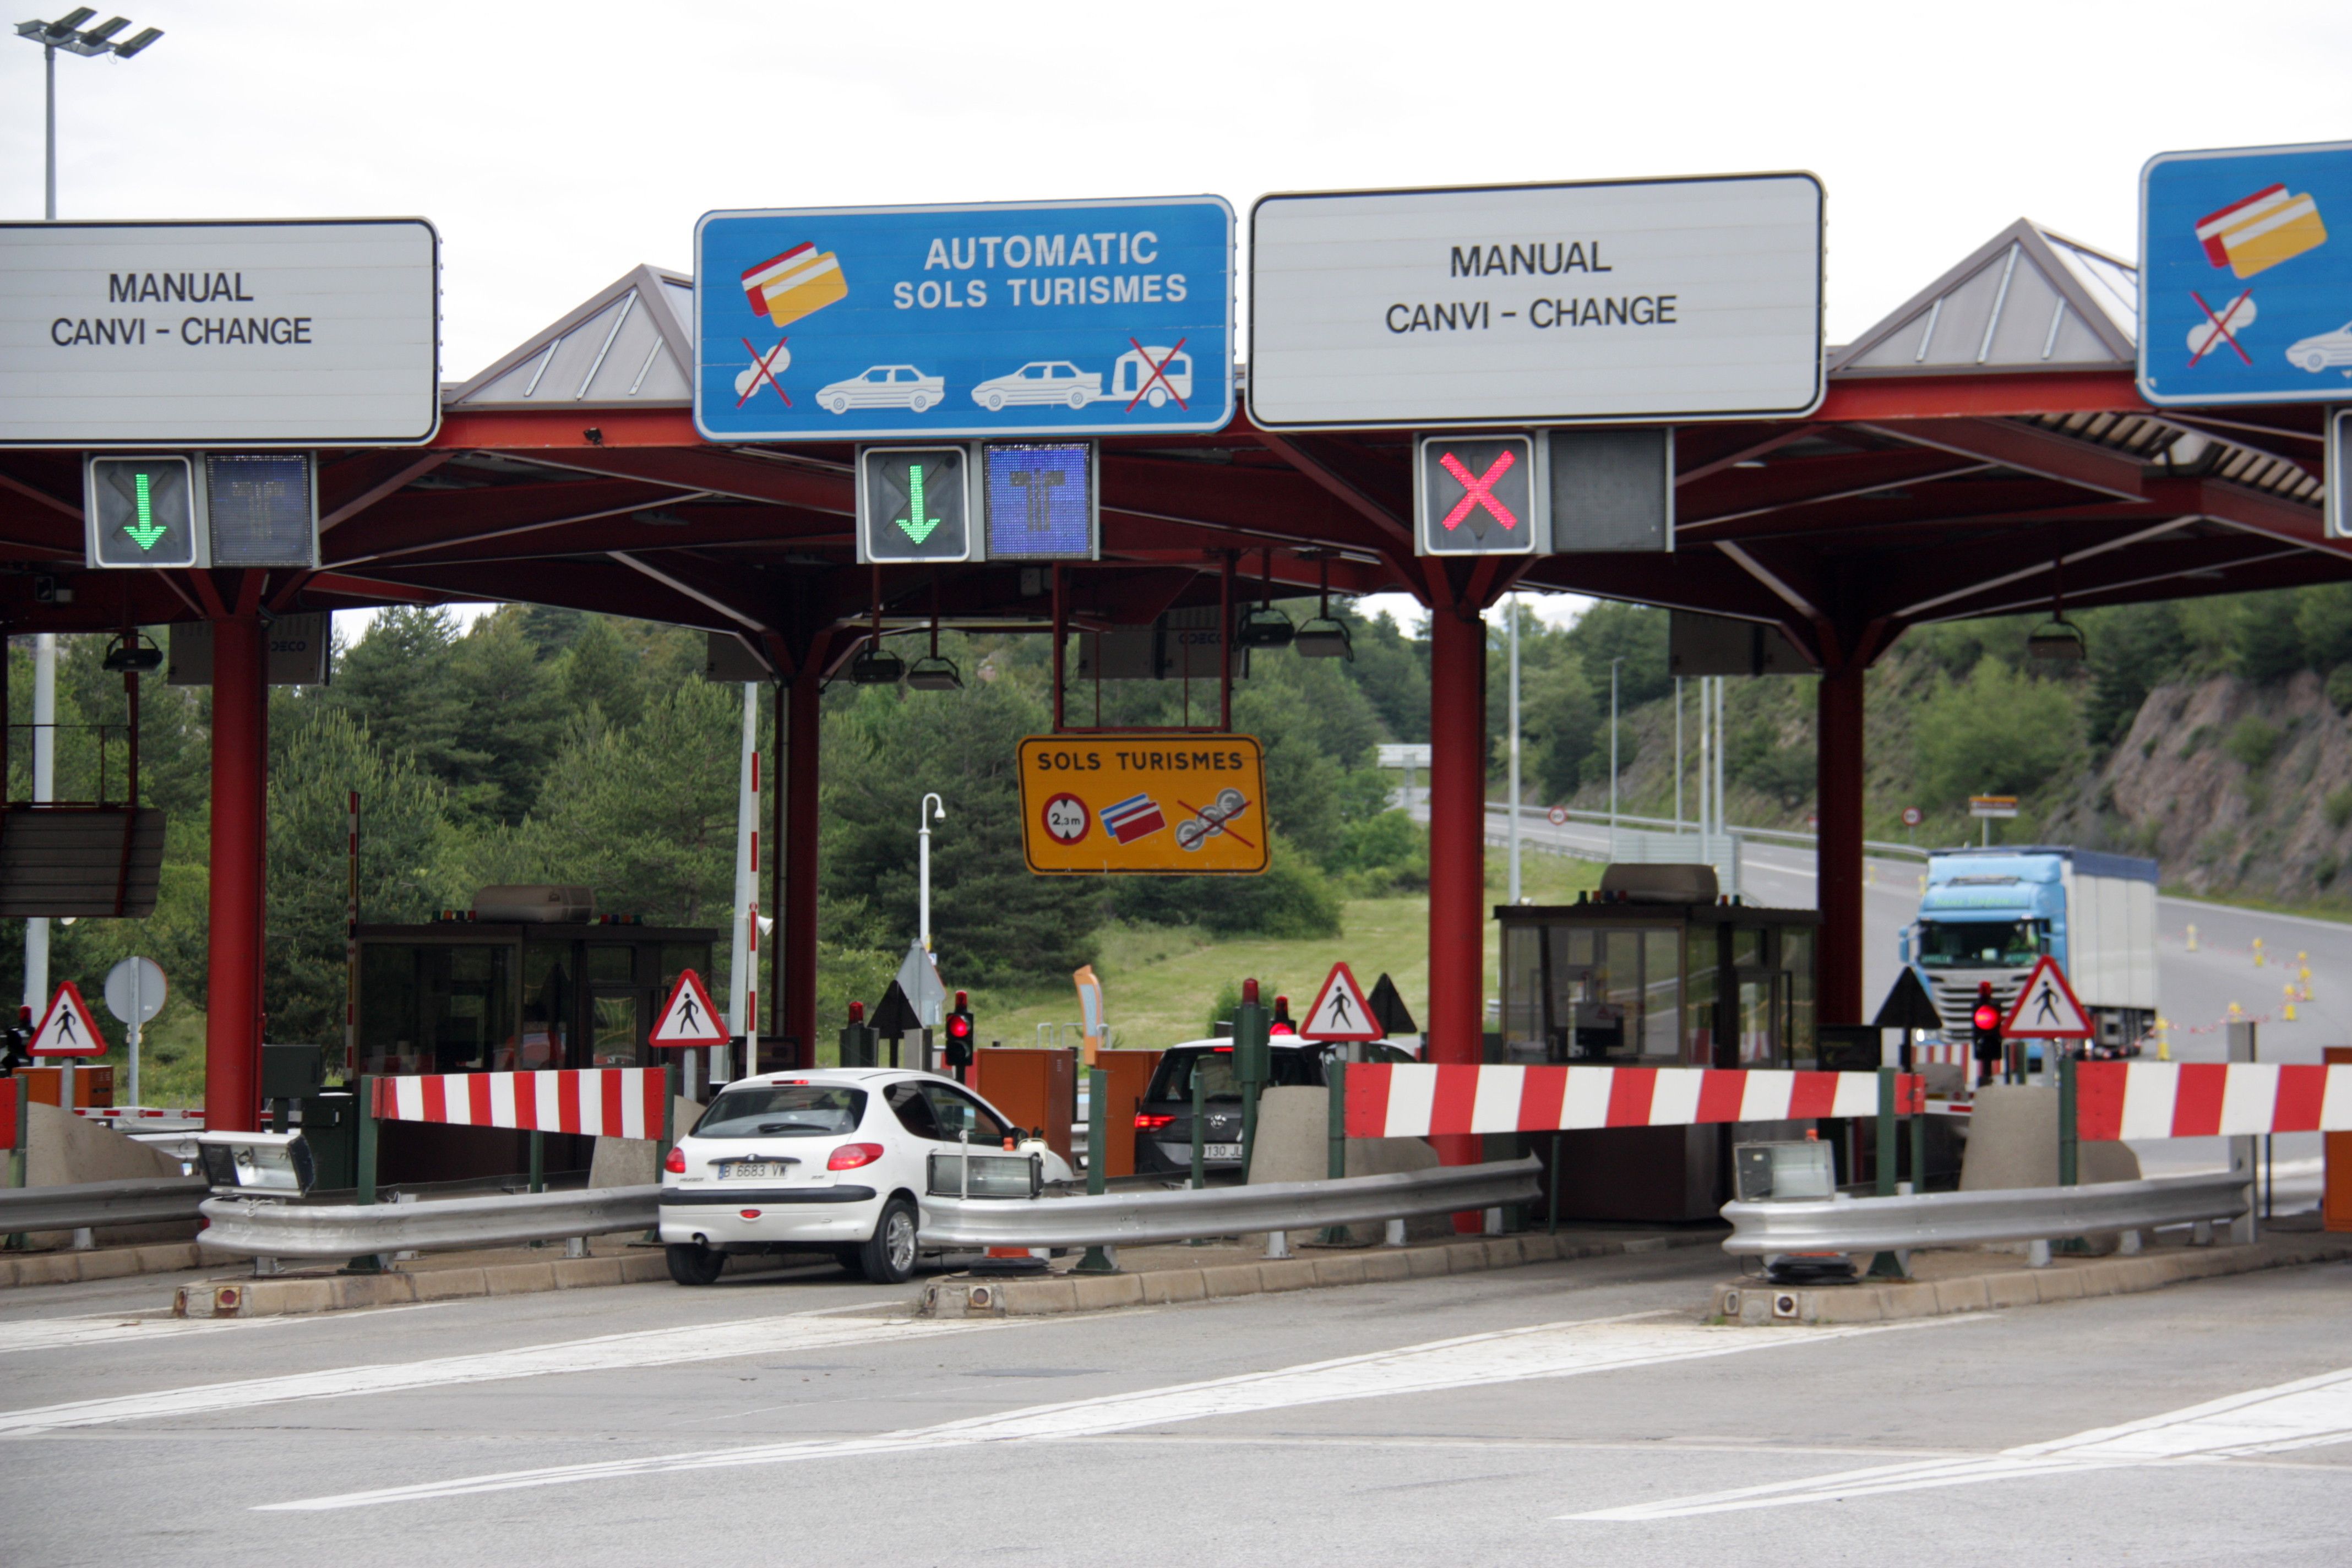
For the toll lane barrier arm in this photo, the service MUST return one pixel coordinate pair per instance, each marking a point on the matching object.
(137, 1200)
(1134, 1218)
(1421, 1101)
(615, 1102)
(1966, 1219)
(2208, 1100)
(266, 1229)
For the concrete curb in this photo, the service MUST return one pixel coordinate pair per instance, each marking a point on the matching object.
(336, 1292)
(1765, 1305)
(960, 1296)
(105, 1263)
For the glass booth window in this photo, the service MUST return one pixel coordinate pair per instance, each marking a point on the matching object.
(547, 997)
(1581, 993)
(1662, 1035)
(1799, 1045)
(437, 1007)
(1699, 993)
(609, 965)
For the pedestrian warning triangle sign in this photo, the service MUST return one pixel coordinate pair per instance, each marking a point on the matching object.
(2046, 1008)
(689, 1020)
(67, 1029)
(1341, 1011)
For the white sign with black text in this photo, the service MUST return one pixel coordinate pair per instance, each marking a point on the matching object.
(195, 334)
(1663, 299)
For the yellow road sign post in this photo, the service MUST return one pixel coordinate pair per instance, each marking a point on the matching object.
(1143, 805)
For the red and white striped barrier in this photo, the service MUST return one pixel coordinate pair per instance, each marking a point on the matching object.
(615, 1102)
(1413, 1101)
(139, 1112)
(2208, 1100)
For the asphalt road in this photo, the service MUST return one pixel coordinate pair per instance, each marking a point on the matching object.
(1568, 1413)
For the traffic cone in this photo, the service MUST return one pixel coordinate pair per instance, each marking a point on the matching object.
(2192, 935)
(2258, 953)
(2288, 1016)
(2163, 1039)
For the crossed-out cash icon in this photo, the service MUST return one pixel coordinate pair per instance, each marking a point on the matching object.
(1206, 824)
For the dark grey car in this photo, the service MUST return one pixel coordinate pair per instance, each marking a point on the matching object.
(1163, 1123)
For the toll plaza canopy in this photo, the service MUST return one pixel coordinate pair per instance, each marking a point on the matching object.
(1982, 450)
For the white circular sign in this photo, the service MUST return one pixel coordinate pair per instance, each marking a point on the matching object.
(135, 983)
(1067, 819)
(1913, 816)
(1558, 816)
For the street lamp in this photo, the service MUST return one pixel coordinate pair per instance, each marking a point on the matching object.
(66, 33)
(1613, 664)
(931, 806)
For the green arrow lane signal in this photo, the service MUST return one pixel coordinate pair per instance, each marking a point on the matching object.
(917, 526)
(146, 532)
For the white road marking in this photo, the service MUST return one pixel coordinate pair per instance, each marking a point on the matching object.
(656, 1347)
(2310, 1414)
(110, 1328)
(1547, 1349)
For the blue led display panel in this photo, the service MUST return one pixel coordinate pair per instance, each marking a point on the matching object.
(262, 510)
(1040, 499)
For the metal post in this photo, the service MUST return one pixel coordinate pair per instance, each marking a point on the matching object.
(930, 805)
(1511, 613)
(364, 1108)
(1678, 754)
(49, 169)
(538, 1161)
(1336, 1137)
(1551, 1205)
(44, 772)
(2069, 1135)
(797, 914)
(1886, 1265)
(1097, 1259)
(1200, 1132)
(1613, 664)
(239, 742)
(742, 968)
(1457, 851)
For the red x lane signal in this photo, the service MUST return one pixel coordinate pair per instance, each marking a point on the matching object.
(1477, 496)
(1479, 491)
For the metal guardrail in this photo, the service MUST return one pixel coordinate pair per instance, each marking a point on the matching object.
(1134, 1218)
(1960, 1219)
(264, 1229)
(1779, 835)
(137, 1200)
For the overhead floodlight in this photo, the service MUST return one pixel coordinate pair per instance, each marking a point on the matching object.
(105, 30)
(126, 657)
(934, 673)
(2058, 637)
(146, 37)
(1265, 627)
(876, 666)
(58, 31)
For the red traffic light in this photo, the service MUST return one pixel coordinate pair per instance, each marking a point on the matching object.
(1988, 1017)
(958, 1026)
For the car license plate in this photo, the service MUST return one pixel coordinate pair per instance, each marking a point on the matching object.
(751, 1171)
(1221, 1151)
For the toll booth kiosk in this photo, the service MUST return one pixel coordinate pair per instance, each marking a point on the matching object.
(463, 994)
(1655, 972)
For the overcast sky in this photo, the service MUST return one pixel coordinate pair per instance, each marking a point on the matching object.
(556, 145)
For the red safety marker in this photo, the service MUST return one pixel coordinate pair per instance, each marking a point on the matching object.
(67, 1029)
(688, 1018)
(2046, 1008)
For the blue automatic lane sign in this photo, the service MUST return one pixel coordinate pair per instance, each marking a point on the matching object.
(874, 323)
(2246, 275)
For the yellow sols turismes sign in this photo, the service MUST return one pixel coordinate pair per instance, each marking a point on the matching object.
(1157, 805)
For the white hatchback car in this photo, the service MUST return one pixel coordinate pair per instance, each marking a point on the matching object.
(2316, 354)
(833, 1160)
(1041, 380)
(884, 386)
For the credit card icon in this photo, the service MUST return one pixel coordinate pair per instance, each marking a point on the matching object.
(1137, 816)
(800, 282)
(2255, 232)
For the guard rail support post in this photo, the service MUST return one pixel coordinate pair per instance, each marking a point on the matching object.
(1098, 1261)
(364, 1176)
(538, 1161)
(17, 1153)
(1886, 1265)
(668, 1134)
(2069, 1139)
(1336, 1137)
(1199, 1150)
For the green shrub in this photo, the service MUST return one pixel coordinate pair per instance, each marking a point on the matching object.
(2254, 742)
(1383, 855)
(2338, 807)
(1221, 1011)
(1998, 731)
(1292, 899)
(2339, 687)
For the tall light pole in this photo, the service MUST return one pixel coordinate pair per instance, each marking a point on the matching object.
(932, 806)
(66, 33)
(1511, 609)
(1613, 664)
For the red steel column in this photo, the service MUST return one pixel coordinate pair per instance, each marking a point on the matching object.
(1457, 851)
(797, 920)
(1838, 850)
(233, 1004)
